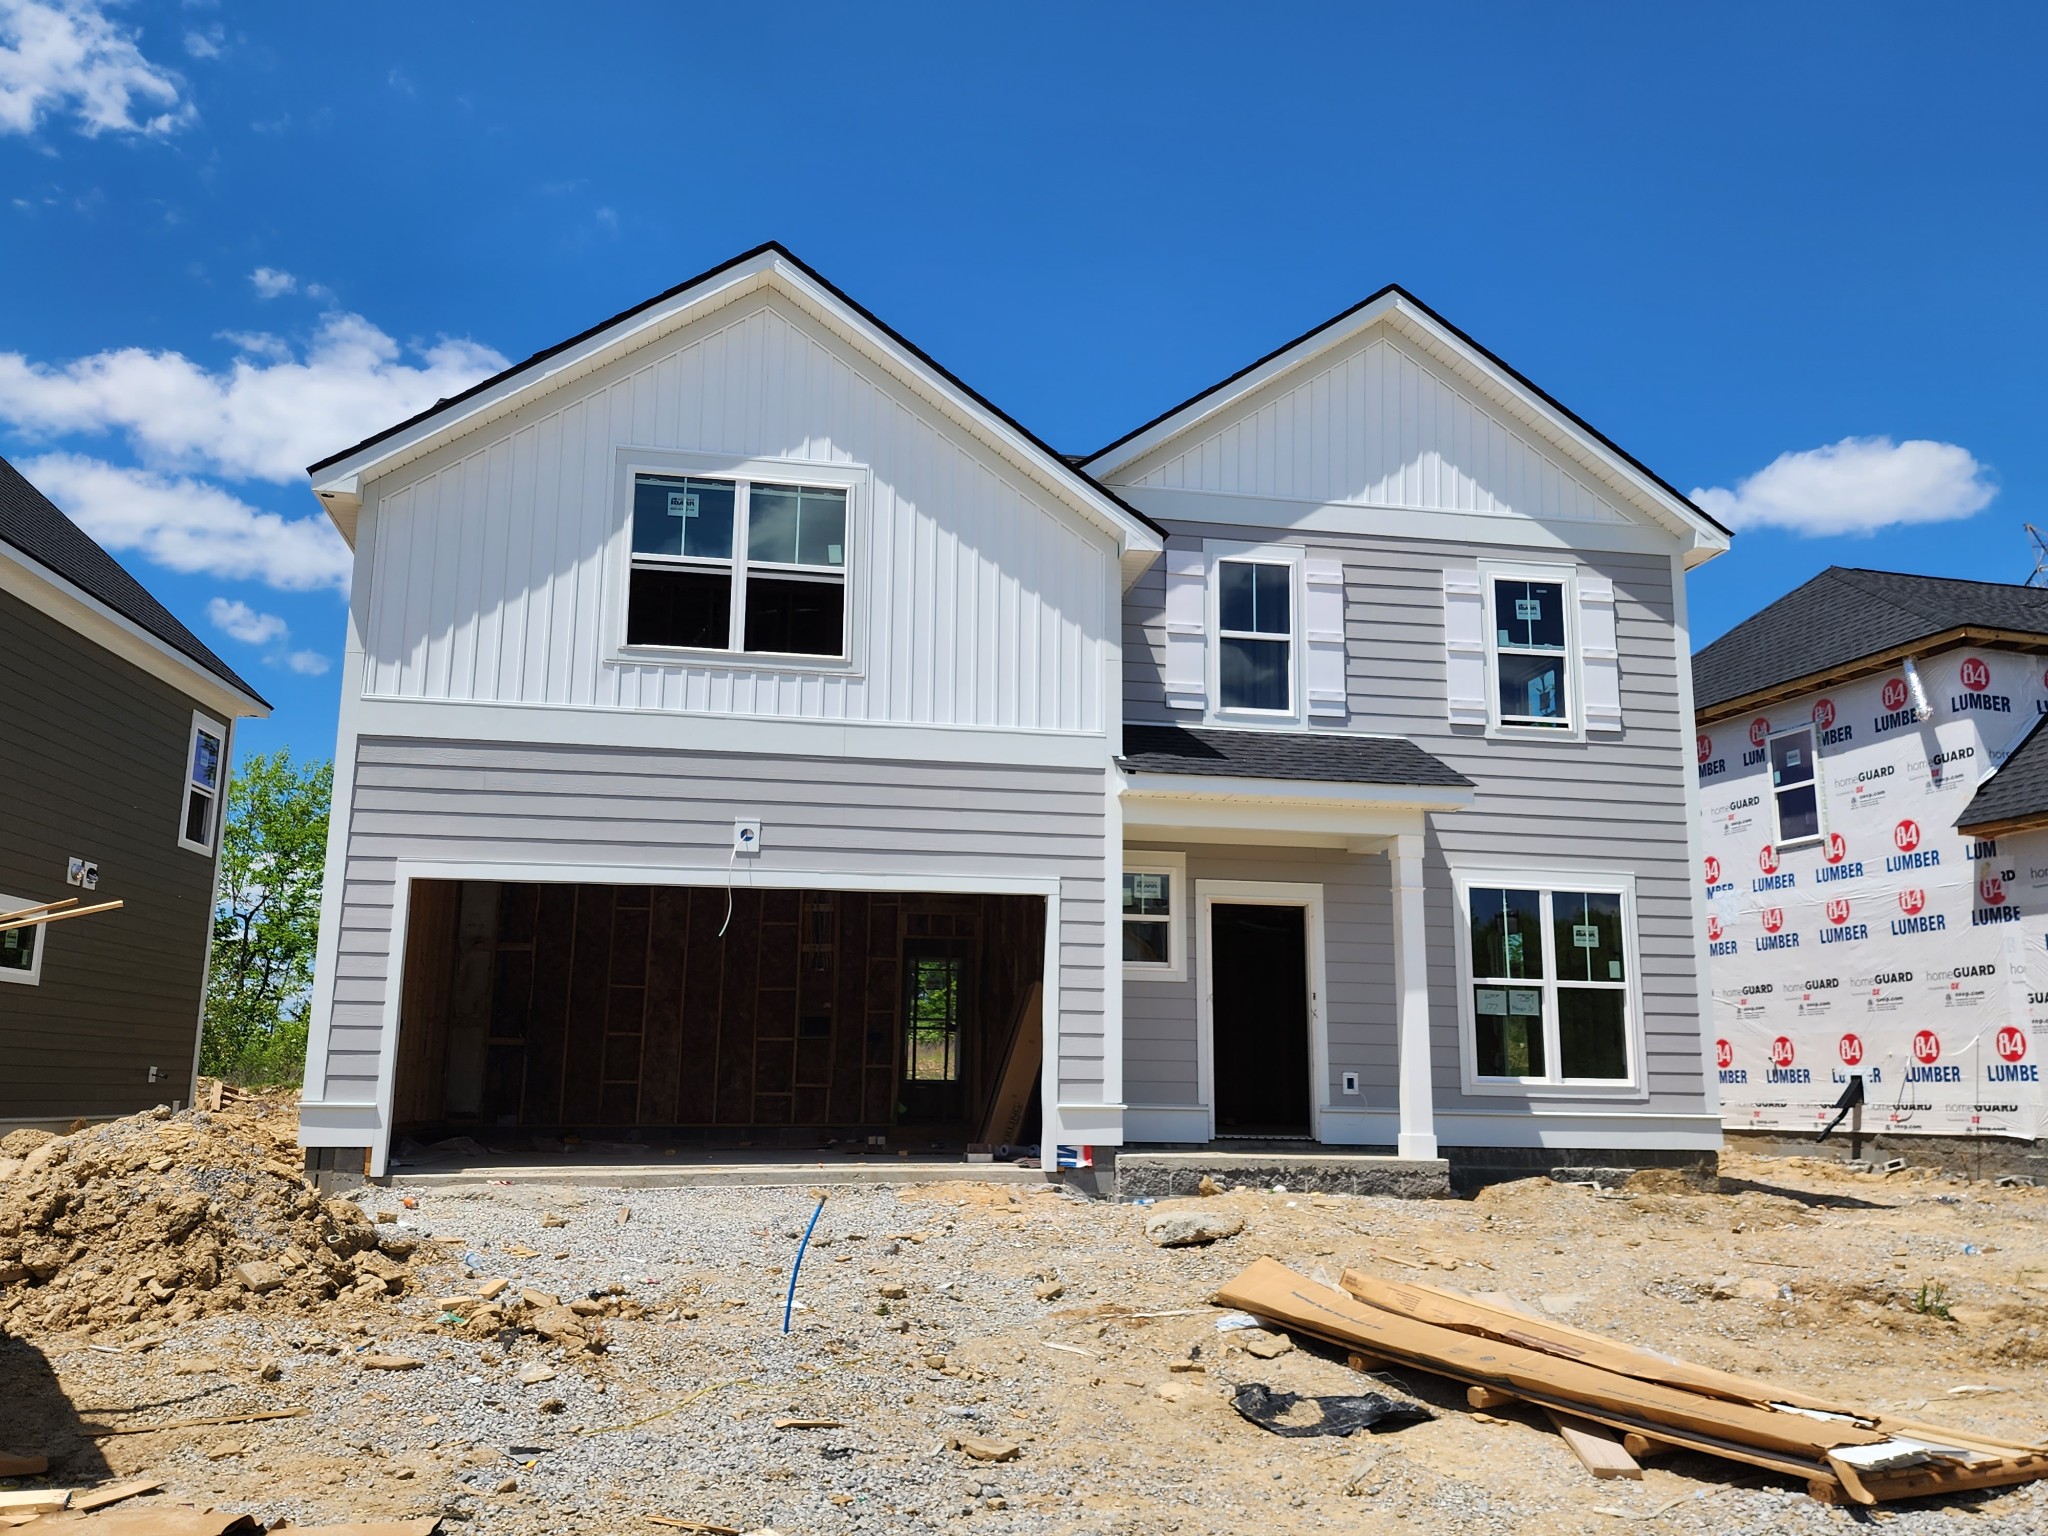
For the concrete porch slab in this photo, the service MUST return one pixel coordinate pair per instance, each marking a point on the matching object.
(765, 1169)
(1161, 1174)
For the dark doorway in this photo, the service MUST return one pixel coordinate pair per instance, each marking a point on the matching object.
(1259, 992)
(936, 1007)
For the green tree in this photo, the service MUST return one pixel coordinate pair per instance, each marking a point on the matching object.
(266, 921)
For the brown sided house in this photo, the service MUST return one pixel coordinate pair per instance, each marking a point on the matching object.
(114, 750)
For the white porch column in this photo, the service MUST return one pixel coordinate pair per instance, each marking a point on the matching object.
(1411, 991)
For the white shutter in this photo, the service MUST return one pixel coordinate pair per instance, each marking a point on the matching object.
(1187, 629)
(1323, 627)
(1599, 660)
(1465, 646)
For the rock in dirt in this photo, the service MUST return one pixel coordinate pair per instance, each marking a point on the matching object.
(390, 1363)
(1186, 1228)
(1266, 1346)
(981, 1448)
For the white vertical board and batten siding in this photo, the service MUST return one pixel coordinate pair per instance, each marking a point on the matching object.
(499, 559)
(1375, 425)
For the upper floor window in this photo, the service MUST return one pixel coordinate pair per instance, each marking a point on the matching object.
(200, 811)
(1795, 786)
(1255, 635)
(737, 565)
(1531, 651)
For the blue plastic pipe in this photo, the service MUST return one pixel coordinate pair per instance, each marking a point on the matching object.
(789, 1302)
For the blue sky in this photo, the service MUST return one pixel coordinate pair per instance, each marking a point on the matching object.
(1789, 255)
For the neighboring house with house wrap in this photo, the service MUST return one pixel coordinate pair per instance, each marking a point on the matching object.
(115, 744)
(1874, 786)
(750, 733)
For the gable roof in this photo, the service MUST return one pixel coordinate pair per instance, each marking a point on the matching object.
(2014, 796)
(522, 375)
(32, 524)
(1851, 619)
(1395, 302)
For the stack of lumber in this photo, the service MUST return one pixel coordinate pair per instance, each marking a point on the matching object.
(1654, 1401)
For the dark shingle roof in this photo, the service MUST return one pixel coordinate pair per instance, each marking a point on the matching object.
(31, 523)
(1844, 615)
(1329, 757)
(2018, 790)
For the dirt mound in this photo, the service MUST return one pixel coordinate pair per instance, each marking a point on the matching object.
(160, 1218)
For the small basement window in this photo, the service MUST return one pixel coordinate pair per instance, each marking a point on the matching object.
(1795, 786)
(737, 565)
(1531, 652)
(204, 761)
(1154, 894)
(1551, 971)
(21, 949)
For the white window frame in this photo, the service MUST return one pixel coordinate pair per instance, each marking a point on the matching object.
(1294, 557)
(1573, 726)
(1820, 797)
(187, 785)
(1147, 862)
(33, 976)
(1547, 881)
(743, 473)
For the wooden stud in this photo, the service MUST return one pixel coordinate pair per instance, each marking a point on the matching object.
(1366, 1363)
(1490, 1397)
(1642, 1447)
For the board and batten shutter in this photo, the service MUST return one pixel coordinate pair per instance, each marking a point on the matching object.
(1465, 646)
(1599, 656)
(1187, 628)
(1323, 630)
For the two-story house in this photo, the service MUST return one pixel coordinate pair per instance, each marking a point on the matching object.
(750, 733)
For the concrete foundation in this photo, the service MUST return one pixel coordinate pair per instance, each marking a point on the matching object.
(1162, 1174)
(1474, 1168)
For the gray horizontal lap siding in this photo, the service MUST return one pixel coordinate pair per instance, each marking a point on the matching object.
(92, 756)
(487, 803)
(1613, 802)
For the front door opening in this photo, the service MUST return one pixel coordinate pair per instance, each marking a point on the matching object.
(1259, 1019)
(935, 1003)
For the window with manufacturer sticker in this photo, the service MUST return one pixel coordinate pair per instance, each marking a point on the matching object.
(1530, 651)
(1550, 984)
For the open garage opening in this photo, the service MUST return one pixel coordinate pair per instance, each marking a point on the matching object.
(535, 1017)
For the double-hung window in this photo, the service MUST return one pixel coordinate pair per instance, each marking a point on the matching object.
(1531, 651)
(1154, 896)
(1795, 786)
(199, 810)
(738, 565)
(1255, 635)
(1551, 979)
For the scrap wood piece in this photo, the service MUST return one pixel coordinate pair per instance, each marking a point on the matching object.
(1595, 1446)
(101, 1431)
(22, 1466)
(425, 1525)
(1490, 1398)
(34, 1501)
(12, 920)
(114, 1493)
(808, 1424)
(703, 1526)
(151, 1520)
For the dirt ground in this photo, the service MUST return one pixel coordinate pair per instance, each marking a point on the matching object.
(951, 1313)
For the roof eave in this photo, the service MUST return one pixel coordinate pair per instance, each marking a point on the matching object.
(1863, 666)
(1151, 784)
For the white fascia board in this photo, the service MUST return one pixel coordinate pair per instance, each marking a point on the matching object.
(78, 610)
(339, 485)
(1183, 788)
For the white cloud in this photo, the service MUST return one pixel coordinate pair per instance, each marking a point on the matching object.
(189, 525)
(207, 44)
(271, 283)
(266, 415)
(58, 54)
(232, 617)
(307, 663)
(1858, 485)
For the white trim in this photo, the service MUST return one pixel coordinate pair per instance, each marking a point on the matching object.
(1533, 1126)
(39, 936)
(1215, 554)
(1166, 1122)
(1414, 1060)
(405, 871)
(597, 725)
(1547, 879)
(1146, 861)
(78, 610)
(1573, 727)
(742, 472)
(1779, 842)
(1695, 837)
(217, 796)
(1274, 893)
(339, 483)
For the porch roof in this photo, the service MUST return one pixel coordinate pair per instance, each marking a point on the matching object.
(1328, 757)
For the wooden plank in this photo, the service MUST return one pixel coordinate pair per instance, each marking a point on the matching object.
(703, 981)
(23, 1466)
(662, 1037)
(589, 994)
(1490, 1398)
(741, 945)
(547, 1028)
(1596, 1447)
(114, 1493)
(1003, 1125)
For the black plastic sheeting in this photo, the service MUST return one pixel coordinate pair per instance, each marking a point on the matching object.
(1285, 1413)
